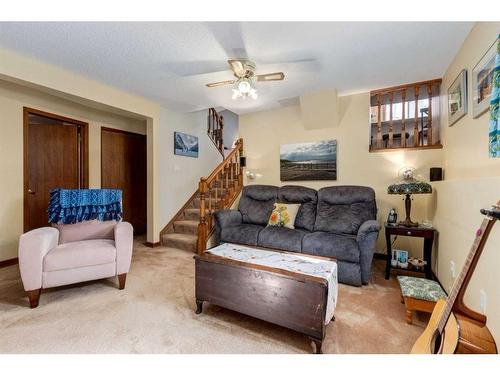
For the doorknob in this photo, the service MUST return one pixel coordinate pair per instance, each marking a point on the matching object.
(30, 191)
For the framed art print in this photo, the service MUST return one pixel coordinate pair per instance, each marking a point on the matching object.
(457, 98)
(185, 144)
(482, 81)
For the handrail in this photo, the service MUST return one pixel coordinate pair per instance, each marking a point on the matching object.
(218, 191)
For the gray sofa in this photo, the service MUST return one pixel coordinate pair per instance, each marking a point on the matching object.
(336, 221)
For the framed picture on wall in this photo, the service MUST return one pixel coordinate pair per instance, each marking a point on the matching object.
(185, 144)
(457, 98)
(482, 81)
(309, 161)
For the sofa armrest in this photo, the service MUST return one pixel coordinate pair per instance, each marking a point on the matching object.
(33, 246)
(367, 239)
(124, 242)
(225, 218)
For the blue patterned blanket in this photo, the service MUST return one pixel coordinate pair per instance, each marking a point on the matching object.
(69, 206)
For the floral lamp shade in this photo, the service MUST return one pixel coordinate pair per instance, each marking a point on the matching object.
(408, 186)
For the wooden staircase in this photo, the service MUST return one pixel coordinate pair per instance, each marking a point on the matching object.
(193, 224)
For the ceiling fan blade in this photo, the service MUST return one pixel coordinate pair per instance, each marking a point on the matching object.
(279, 76)
(222, 83)
(237, 67)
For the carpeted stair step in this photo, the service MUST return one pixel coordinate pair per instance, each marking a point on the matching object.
(196, 203)
(186, 227)
(180, 241)
(192, 214)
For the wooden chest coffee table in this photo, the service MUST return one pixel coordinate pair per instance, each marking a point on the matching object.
(290, 299)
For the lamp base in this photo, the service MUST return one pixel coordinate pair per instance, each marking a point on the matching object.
(408, 223)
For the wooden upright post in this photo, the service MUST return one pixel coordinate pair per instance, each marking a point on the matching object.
(202, 226)
(379, 124)
(221, 132)
(415, 127)
(403, 130)
(429, 117)
(391, 135)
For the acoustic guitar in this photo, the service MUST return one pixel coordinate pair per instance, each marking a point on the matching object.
(453, 327)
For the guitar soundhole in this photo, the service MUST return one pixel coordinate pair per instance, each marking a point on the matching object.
(436, 343)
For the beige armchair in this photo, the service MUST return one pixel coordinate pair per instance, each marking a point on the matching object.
(72, 253)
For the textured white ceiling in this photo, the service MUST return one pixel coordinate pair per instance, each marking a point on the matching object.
(171, 62)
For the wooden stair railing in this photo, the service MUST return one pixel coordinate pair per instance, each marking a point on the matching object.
(215, 129)
(219, 191)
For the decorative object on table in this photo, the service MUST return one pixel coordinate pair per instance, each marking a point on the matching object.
(283, 215)
(435, 174)
(419, 295)
(402, 258)
(409, 185)
(457, 98)
(309, 161)
(394, 260)
(185, 144)
(392, 218)
(416, 263)
(70, 206)
(482, 81)
(426, 223)
(454, 327)
(494, 131)
(427, 234)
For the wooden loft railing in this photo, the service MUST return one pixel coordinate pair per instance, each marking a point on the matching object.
(215, 128)
(219, 191)
(419, 128)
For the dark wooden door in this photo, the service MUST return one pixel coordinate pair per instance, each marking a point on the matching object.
(123, 166)
(53, 159)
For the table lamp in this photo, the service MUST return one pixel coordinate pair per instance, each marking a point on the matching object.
(407, 186)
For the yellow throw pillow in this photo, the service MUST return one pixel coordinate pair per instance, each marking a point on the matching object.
(283, 215)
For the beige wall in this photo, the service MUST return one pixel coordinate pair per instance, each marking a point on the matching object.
(264, 132)
(12, 100)
(471, 182)
(179, 175)
(27, 71)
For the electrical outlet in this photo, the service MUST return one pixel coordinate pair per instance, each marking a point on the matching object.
(482, 301)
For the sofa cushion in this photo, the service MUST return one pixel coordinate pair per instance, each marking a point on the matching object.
(282, 238)
(80, 254)
(342, 209)
(283, 215)
(256, 203)
(308, 199)
(246, 234)
(339, 246)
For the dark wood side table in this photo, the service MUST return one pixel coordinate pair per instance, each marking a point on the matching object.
(398, 230)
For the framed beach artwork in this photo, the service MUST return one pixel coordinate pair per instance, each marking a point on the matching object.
(482, 81)
(457, 98)
(309, 161)
(185, 144)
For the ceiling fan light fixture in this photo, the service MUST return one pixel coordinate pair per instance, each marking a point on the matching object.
(244, 86)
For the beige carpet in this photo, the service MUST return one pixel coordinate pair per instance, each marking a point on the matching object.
(155, 314)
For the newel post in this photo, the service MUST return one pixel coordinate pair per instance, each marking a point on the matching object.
(240, 172)
(202, 226)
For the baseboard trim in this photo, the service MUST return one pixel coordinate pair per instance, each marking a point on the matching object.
(152, 244)
(8, 262)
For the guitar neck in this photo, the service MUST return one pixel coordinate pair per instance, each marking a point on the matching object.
(463, 278)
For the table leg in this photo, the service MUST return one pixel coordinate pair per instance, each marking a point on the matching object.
(389, 255)
(428, 257)
(317, 345)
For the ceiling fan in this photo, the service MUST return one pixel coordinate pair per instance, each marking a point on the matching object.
(244, 71)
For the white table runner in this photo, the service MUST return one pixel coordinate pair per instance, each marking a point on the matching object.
(326, 269)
